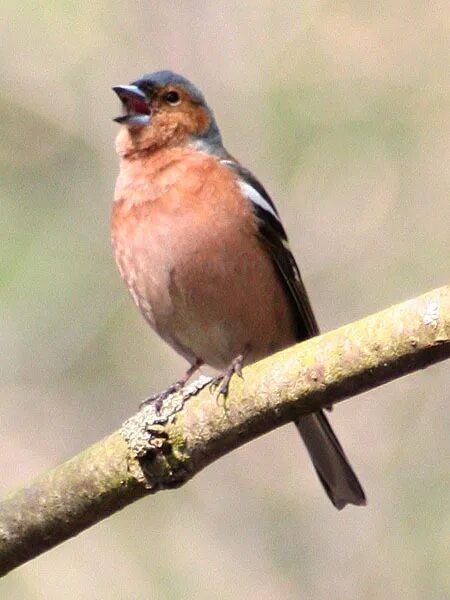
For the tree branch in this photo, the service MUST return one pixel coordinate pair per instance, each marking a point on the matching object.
(160, 450)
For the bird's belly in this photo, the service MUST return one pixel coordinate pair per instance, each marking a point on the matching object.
(211, 292)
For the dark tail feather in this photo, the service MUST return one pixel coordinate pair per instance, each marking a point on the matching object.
(330, 462)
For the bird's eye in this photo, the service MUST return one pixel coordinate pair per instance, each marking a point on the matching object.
(172, 97)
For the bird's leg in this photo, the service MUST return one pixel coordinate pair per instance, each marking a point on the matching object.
(222, 381)
(158, 399)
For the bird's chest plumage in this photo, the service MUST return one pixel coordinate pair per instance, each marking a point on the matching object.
(184, 241)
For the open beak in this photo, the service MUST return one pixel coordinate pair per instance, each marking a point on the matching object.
(135, 107)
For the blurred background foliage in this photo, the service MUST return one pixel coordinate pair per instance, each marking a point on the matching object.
(341, 108)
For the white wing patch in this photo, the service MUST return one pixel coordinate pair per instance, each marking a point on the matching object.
(258, 200)
(255, 197)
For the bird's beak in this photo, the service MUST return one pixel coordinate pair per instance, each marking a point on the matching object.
(135, 106)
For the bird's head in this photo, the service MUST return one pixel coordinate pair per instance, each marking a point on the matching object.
(163, 109)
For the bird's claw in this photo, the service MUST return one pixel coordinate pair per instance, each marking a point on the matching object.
(222, 381)
(158, 399)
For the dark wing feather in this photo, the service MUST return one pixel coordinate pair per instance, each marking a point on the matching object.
(287, 267)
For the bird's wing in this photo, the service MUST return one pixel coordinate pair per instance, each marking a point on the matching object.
(273, 236)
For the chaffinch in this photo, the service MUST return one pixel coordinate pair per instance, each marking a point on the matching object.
(202, 250)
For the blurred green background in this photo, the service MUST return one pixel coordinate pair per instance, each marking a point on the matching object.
(341, 108)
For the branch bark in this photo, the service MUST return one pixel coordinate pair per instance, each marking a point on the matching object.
(163, 449)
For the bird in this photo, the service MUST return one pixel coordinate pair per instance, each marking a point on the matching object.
(202, 250)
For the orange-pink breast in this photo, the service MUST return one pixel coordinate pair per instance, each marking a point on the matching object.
(185, 244)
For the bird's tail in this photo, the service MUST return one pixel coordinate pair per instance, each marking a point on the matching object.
(330, 462)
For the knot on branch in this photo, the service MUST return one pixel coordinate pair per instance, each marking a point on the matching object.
(156, 446)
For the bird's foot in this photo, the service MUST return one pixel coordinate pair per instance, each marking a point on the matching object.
(222, 381)
(158, 399)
